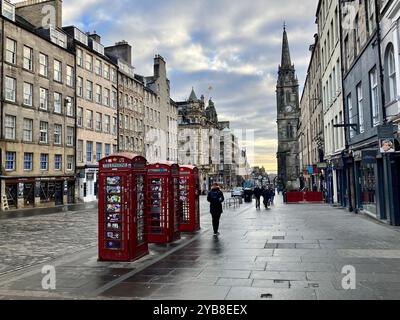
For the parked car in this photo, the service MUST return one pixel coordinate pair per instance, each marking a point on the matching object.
(237, 192)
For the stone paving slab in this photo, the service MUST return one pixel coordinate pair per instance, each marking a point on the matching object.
(288, 252)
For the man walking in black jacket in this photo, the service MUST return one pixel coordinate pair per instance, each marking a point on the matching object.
(216, 198)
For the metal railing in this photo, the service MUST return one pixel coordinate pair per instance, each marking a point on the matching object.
(233, 202)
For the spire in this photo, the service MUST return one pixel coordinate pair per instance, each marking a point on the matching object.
(193, 96)
(286, 61)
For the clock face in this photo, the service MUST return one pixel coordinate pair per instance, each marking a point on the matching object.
(289, 109)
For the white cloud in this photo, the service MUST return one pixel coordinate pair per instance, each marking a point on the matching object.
(234, 46)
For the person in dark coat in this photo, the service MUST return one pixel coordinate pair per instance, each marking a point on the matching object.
(266, 196)
(215, 198)
(257, 195)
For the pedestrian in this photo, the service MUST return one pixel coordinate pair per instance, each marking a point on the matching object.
(215, 198)
(272, 195)
(266, 197)
(257, 195)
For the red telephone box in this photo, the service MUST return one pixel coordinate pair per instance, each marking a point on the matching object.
(189, 199)
(162, 204)
(122, 179)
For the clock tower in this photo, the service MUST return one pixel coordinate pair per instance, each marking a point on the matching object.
(287, 93)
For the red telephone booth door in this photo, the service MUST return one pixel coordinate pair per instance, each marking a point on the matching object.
(114, 216)
(118, 223)
(189, 194)
(139, 243)
(157, 204)
(175, 232)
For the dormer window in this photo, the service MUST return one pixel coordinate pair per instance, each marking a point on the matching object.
(8, 10)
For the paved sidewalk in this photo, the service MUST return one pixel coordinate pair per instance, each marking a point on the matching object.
(288, 252)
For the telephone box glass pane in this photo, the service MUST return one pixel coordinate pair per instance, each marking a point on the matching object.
(114, 215)
(140, 209)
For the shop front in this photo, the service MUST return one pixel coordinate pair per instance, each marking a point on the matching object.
(88, 184)
(34, 192)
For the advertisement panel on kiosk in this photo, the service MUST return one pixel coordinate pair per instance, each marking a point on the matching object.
(122, 179)
(189, 198)
(162, 204)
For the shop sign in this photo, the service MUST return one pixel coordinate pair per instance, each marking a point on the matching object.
(357, 155)
(322, 165)
(90, 176)
(20, 190)
(386, 131)
(369, 156)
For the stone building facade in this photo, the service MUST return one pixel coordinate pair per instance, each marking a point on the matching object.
(288, 110)
(199, 138)
(230, 154)
(161, 115)
(328, 21)
(311, 134)
(37, 111)
(131, 106)
(97, 107)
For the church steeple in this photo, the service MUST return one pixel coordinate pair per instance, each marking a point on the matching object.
(286, 62)
(193, 97)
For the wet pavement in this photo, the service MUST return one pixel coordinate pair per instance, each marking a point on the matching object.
(288, 252)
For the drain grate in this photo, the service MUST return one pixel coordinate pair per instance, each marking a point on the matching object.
(313, 285)
(278, 238)
(266, 296)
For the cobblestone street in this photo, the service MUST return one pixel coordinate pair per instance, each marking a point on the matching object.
(288, 252)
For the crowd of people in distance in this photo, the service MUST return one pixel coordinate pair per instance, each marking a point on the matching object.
(268, 194)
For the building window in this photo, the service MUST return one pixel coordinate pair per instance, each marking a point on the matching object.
(28, 94)
(28, 161)
(126, 122)
(89, 62)
(8, 10)
(28, 58)
(44, 132)
(57, 102)
(79, 57)
(70, 76)
(11, 51)
(89, 151)
(390, 74)
(57, 134)
(98, 67)
(114, 128)
(44, 161)
(10, 122)
(360, 107)
(70, 136)
(114, 99)
(89, 90)
(43, 65)
(11, 85)
(107, 97)
(98, 94)
(107, 124)
(89, 116)
(114, 75)
(10, 161)
(373, 76)
(80, 150)
(57, 71)
(70, 106)
(107, 71)
(80, 117)
(99, 121)
(44, 99)
(99, 151)
(79, 87)
(351, 115)
(70, 163)
(58, 162)
(107, 149)
(28, 130)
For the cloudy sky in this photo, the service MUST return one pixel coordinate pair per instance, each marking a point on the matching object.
(233, 46)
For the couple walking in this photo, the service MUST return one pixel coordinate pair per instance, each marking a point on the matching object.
(268, 195)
